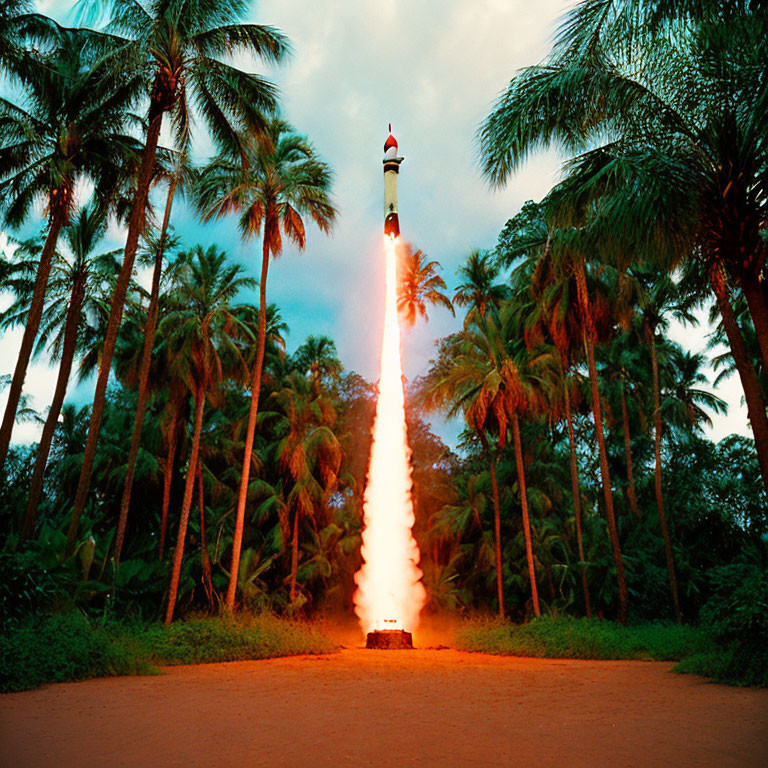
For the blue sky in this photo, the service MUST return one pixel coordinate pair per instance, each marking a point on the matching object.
(432, 68)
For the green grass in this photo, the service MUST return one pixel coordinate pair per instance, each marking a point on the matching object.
(71, 647)
(694, 649)
(737, 664)
(567, 638)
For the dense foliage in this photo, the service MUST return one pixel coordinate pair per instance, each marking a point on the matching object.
(215, 469)
(68, 646)
(568, 638)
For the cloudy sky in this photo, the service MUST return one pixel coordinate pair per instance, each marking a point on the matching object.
(432, 68)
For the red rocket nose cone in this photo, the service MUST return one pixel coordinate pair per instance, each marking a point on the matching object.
(391, 140)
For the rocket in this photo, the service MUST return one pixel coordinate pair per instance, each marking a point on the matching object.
(391, 168)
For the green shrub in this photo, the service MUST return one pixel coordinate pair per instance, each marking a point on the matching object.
(62, 647)
(231, 638)
(709, 664)
(569, 638)
(71, 647)
(737, 616)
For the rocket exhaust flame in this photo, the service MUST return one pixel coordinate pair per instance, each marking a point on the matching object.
(389, 594)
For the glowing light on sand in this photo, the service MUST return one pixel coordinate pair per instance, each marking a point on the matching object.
(389, 593)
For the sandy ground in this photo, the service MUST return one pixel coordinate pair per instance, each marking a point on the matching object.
(390, 708)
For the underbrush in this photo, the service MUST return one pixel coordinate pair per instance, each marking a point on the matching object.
(569, 638)
(69, 646)
(697, 651)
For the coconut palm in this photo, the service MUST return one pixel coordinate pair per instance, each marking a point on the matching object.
(318, 358)
(479, 288)
(281, 182)
(70, 291)
(685, 405)
(419, 284)
(543, 299)
(623, 365)
(180, 177)
(12, 16)
(202, 345)
(458, 382)
(476, 376)
(722, 360)
(527, 392)
(590, 313)
(308, 453)
(677, 174)
(66, 127)
(178, 46)
(561, 282)
(660, 299)
(174, 418)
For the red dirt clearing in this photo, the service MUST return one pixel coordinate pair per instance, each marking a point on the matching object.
(390, 708)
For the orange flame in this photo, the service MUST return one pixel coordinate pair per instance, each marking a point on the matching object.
(389, 592)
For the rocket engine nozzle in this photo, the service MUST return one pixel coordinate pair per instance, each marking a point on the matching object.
(392, 225)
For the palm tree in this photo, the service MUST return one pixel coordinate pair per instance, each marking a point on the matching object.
(544, 299)
(181, 44)
(174, 418)
(13, 14)
(65, 128)
(587, 309)
(754, 396)
(181, 176)
(280, 181)
(71, 281)
(479, 288)
(722, 361)
(307, 450)
(525, 396)
(596, 306)
(622, 366)
(202, 346)
(419, 285)
(457, 382)
(682, 175)
(660, 297)
(476, 376)
(318, 358)
(684, 403)
(562, 279)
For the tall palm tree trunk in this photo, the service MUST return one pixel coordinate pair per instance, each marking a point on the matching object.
(496, 529)
(744, 365)
(135, 227)
(68, 349)
(576, 493)
(606, 481)
(189, 488)
(205, 559)
(294, 553)
(146, 359)
(30, 329)
(631, 495)
(581, 283)
(657, 472)
(754, 293)
(526, 519)
(242, 496)
(173, 441)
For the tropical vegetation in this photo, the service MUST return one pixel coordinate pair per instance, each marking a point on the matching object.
(583, 492)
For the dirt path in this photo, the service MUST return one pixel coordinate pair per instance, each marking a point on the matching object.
(397, 708)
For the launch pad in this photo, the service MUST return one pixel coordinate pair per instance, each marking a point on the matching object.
(389, 640)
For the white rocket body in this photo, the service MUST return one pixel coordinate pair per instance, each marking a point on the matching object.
(391, 169)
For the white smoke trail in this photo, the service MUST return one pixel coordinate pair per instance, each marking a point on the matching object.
(389, 582)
